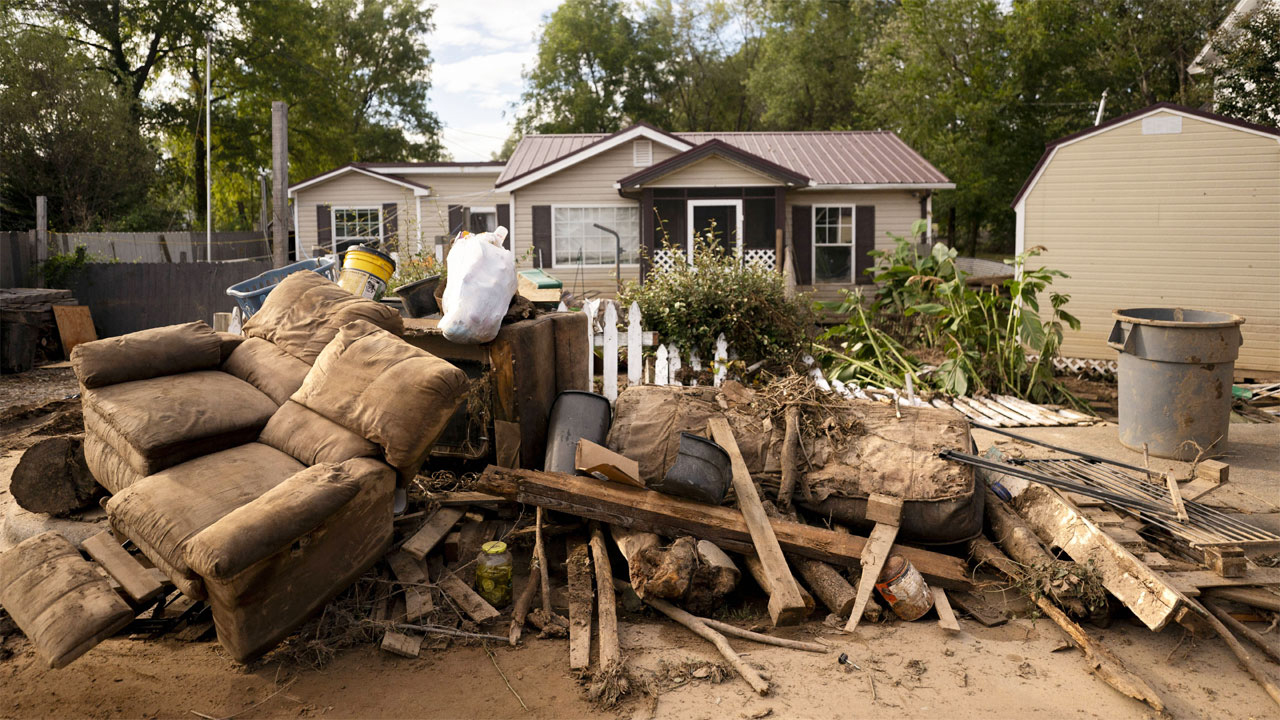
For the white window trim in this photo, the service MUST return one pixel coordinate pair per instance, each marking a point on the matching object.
(555, 265)
(710, 202)
(483, 209)
(813, 242)
(333, 222)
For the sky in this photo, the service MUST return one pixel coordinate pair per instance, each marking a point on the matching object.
(479, 49)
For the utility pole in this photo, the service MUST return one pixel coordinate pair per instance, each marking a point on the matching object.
(264, 213)
(208, 146)
(280, 182)
(42, 235)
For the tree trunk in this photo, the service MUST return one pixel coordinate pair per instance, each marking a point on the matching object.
(52, 477)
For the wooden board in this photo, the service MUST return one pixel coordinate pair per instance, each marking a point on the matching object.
(580, 596)
(411, 573)
(786, 606)
(946, 616)
(472, 604)
(403, 644)
(134, 579)
(75, 326)
(432, 532)
(979, 609)
(1190, 580)
(651, 511)
(874, 555)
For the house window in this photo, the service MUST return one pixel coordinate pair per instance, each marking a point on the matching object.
(483, 219)
(577, 241)
(833, 244)
(357, 224)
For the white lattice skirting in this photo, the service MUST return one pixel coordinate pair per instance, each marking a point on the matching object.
(765, 258)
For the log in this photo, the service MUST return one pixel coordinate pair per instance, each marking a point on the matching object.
(651, 511)
(790, 457)
(521, 609)
(786, 606)
(631, 543)
(828, 584)
(52, 477)
(1240, 628)
(702, 630)
(1101, 661)
(716, 571)
(580, 596)
(763, 639)
(1020, 542)
(606, 605)
(540, 552)
(1243, 655)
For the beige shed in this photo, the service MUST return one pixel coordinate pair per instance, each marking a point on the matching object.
(1164, 207)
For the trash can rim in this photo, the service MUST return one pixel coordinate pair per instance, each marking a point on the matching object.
(1228, 319)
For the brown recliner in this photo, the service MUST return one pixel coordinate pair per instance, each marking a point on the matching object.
(267, 511)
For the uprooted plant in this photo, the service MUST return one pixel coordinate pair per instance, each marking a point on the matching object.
(983, 340)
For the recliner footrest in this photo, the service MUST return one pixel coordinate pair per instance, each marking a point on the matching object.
(61, 601)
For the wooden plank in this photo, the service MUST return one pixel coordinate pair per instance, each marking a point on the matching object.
(610, 381)
(610, 650)
(411, 573)
(635, 363)
(978, 609)
(651, 511)
(1015, 417)
(1227, 561)
(432, 532)
(464, 498)
(472, 604)
(786, 606)
(1189, 579)
(874, 555)
(403, 644)
(1254, 597)
(506, 440)
(75, 326)
(580, 595)
(884, 509)
(1175, 497)
(946, 616)
(134, 579)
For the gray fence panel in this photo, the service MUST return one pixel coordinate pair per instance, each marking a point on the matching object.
(17, 259)
(175, 247)
(126, 297)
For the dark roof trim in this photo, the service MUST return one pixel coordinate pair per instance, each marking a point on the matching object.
(589, 146)
(1127, 117)
(707, 149)
(359, 168)
(476, 163)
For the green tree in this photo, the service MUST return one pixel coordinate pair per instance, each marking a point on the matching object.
(1246, 74)
(597, 70)
(66, 133)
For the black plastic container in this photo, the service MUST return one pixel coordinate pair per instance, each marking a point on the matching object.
(576, 414)
(419, 297)
(701, 471)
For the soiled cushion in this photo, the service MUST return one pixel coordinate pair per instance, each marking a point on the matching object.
(164, 510)
(147, 354)
(108, 467)
(303, 313)
(229, 343)
(268, 368)
(386, 390)
(156, 423)
(311, 438)
(282, 514)
(60, 600)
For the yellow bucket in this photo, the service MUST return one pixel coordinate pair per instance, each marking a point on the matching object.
(365, 272)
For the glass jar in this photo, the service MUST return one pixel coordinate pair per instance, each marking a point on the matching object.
(493, 574)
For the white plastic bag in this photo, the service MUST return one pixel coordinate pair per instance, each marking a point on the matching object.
(479, 287)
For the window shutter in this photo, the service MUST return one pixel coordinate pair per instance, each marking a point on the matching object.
(457, 220)
(504, 220)
(542, 236)
(324, 227)
(390, 222)
(864, 241)
(802, 242)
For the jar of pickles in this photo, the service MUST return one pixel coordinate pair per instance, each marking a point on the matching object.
(493, 573)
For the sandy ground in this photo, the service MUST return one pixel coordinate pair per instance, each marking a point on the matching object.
(1023, 669)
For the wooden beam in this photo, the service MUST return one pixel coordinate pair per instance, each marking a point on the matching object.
(137, 583)
(1253, 597)
(651, 511)
(786, 606)
(874, 554)
(411, 573)
(472, 604)
(580, 595)
(432, 532)
(946, 616)
(606, 606)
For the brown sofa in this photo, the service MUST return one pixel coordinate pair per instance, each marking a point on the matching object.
(258, 471)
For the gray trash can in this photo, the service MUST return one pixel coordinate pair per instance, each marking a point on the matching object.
(1175, 372)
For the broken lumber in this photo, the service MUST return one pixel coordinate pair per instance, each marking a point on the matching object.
(432, 532)
(606, 606)
(403, 644)
(476, 607)
(1101, 662)
(141, 586)
(1240, 628)
(1243, 655)
(651, 511)
(828, 584)
(885, 511)
(52, 477)
(580, 595)
(521, 609)
(946, 616)
(704, 631)
(763, 579)
(790, 457)
(1020, 542)
(411, 573)
(1253, 597)
(763, 639)
(785, 604)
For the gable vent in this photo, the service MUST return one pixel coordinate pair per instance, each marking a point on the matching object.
(642, 153)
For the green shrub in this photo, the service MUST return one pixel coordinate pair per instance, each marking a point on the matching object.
(691, 304)
(64, 268)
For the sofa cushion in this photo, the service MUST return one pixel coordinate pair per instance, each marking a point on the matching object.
(386, 390)
(230, 342)
(108, 467)
(312, 438)
(304, 311)
(156, 423)
(166, 509)
(147, 354)
(268, 368)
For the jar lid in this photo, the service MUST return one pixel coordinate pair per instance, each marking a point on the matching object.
(494, 547)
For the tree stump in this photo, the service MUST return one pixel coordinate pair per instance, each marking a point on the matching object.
(52, 477)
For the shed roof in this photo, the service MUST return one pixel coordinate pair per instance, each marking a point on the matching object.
(859, 158)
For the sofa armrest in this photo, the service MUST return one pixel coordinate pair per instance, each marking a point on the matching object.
(146, 354)
(270, 523)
